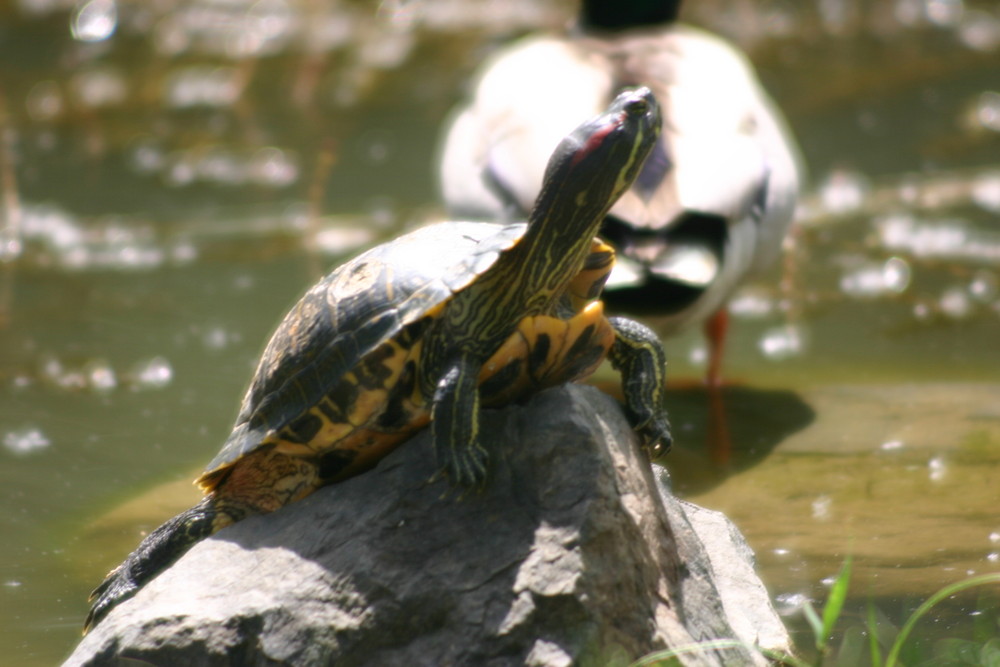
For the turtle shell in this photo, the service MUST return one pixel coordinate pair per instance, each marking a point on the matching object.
(351, 313)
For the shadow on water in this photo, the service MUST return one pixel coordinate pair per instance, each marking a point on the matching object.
(704, 427)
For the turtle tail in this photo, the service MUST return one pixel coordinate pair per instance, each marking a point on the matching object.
(159, 550)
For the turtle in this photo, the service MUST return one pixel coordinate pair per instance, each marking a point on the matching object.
(713, 203)
(430, 328)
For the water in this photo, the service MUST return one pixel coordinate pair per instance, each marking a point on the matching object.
(181, 173)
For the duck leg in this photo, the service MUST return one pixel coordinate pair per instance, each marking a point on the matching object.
(719, 443)
(716, 328)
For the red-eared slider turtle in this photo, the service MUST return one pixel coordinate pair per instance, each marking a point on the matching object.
(713, 202)
(427, 328)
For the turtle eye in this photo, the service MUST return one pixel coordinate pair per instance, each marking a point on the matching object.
(638, 106)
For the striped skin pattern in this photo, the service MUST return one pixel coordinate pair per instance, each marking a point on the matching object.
(375, 404)
(430, 328)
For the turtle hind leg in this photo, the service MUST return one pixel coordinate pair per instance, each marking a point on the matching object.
(455, 423)
(158, 551)
(638, 355)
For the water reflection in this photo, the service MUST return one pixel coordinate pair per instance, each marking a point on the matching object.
(871, 280)
(96, 375)
(94, 20)
(25, 441)
(784, 342)
(760, 419)
(952, 239)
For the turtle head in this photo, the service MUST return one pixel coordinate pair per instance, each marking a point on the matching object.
(589, 170)
(597, 162)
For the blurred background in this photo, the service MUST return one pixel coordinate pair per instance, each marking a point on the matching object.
(174, 174)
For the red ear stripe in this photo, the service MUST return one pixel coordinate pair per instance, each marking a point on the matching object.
(595, 140)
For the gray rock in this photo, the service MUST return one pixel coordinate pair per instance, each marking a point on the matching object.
(573, 554)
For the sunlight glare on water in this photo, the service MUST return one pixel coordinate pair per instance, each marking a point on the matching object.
(94, 20)
(25, 441)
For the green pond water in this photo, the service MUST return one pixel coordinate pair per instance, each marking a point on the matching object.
(171, 189)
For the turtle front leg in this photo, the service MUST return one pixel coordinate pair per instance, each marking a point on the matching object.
(455, 423)
(638, 355)
(157, 552)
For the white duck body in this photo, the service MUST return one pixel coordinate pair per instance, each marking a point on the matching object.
(710, 208)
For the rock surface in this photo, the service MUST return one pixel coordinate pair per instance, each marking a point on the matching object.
(573, 554)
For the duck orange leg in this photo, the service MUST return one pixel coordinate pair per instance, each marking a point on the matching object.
(719, 443)
(716, 328)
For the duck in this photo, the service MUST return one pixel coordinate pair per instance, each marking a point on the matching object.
(715, 199)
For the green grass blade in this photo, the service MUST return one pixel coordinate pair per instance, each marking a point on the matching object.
(942, 594)
(835, 602)
(661, 658)
(783, 659)
(670, 657)
(816, 623)
(873, 647)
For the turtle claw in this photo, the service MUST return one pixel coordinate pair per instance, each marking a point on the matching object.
(655, 436)
(455, 424)
(638, 355)
(462, 467)
(467, 466)
(466, 472)
(153, 555)
(116, 588)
